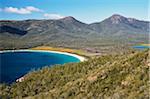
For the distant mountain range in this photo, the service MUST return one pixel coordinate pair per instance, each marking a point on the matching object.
(69, 32)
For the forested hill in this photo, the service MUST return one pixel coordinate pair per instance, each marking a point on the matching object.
(123, 76)
(69, 32)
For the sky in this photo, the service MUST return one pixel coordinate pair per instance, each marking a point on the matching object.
(87, 11)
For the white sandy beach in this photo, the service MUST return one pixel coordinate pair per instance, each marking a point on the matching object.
(65, 53)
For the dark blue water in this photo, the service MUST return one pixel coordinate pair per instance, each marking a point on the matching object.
(141, 47)
(16, 64)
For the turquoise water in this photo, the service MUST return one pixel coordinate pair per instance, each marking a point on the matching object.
(16, 64)
(141, 47)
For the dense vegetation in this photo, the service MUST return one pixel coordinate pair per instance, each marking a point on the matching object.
(123, 76)
(113, 33)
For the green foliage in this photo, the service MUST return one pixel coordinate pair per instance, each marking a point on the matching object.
(69, 32)
(122, 76)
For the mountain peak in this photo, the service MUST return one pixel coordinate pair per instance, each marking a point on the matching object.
(116, 15)
(116, 18)
(68, 18)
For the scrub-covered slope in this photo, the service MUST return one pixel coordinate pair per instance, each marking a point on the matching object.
(122, 76)
(69, 32)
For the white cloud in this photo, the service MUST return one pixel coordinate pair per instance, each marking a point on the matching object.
(53, 16)
(31, 8)
(26, 10)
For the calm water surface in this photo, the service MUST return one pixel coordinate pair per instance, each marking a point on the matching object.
(141, 47)
(16, 64)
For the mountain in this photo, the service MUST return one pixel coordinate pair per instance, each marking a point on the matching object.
(121, 76)
(65, 25)
(69, 32)
(12, 30)
(117, 23)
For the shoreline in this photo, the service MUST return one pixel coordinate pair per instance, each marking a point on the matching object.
(81, 58)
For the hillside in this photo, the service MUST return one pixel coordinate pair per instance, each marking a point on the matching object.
(123, 76)
(69, 32)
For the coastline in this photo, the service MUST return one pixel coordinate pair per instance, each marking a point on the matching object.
(81, 58)
(21, 79)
